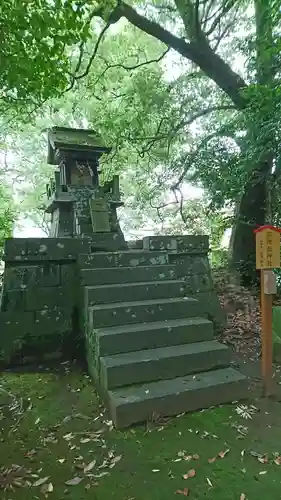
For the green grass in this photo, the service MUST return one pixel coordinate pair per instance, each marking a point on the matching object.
(54, 405)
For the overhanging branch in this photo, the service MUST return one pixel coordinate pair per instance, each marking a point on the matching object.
(197, 51)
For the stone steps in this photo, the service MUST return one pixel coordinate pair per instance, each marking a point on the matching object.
(126, 313)
(129, 258)
(150, 348)
(161, 363)
(121, 275)
(125, 292)
(136, 337)
(134, 404)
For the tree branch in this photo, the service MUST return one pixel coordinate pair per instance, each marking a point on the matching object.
(224, 9)
(130, 68)
(200, 114)
(198, 51)
(191, 156)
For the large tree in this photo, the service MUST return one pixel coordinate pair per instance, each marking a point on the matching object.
(240, 149)
(199, 30)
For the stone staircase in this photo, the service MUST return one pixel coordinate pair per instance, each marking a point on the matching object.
(149, 347)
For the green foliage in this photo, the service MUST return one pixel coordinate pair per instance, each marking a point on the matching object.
(36, 38)
(7, 215)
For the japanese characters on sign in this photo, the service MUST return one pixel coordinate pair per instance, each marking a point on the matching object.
(267, 247)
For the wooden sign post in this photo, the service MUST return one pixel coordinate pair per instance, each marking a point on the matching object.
(267, 258)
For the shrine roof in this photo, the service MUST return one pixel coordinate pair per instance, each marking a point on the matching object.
(73, 140)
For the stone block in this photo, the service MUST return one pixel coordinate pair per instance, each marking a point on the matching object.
(18, 277)
(195, 283)
(23, 276)
(110, 276)
(127, 292)
(210, 306)
(134, 404)
(137, 337)
(15, 249)
(14, 328)
(52, 321)
(122, 259)
(126, 313)
(68, 274)
(16, 324)
(177, 244)
(48, 274)
(13, 300)
(106, 242)
(186, 264)
(162, 363)
(48, 298)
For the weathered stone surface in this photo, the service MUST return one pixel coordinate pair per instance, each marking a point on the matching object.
(48, 298)
(186, 264)
(127, 275)
(177, 244)
(13, 300)
(170, 397)
(15, 248)
(162, 363)
(51, 321)
(106, 242)
(42, 249)
(13, 324)
(126, 313)
(22, 276)
(136, 337)
(126, 292)
(195, 283)
(122, 259)
(210, 306)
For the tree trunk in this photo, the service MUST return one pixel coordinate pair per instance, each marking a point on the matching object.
(251, 213)
(253, 208)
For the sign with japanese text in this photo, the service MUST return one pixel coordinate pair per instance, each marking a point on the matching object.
(267, 247)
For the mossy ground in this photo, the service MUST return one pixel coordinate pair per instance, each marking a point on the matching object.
(61, 426)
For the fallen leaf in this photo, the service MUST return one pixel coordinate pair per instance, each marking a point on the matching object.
(195, 457)
(255, 454)
(74, 481)
(242, 453)
(263, 460)
(47, 488)
(116, 459)
(85, 440)
(212, 460)
(184, 492)
(37, 420)
(187, 458)
(242, 496)
(30, 453)
(262, 472)
(40, 481)
(209, 482)
(277, 460)
(61, 460)
(222, 454)
(90, 466)
(190, 473)
(101, 474)
(68, 436)
(155, 470)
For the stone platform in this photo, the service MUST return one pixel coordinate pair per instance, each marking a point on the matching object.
(145, 317)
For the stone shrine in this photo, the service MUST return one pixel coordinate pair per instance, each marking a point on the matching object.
(143, 314)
